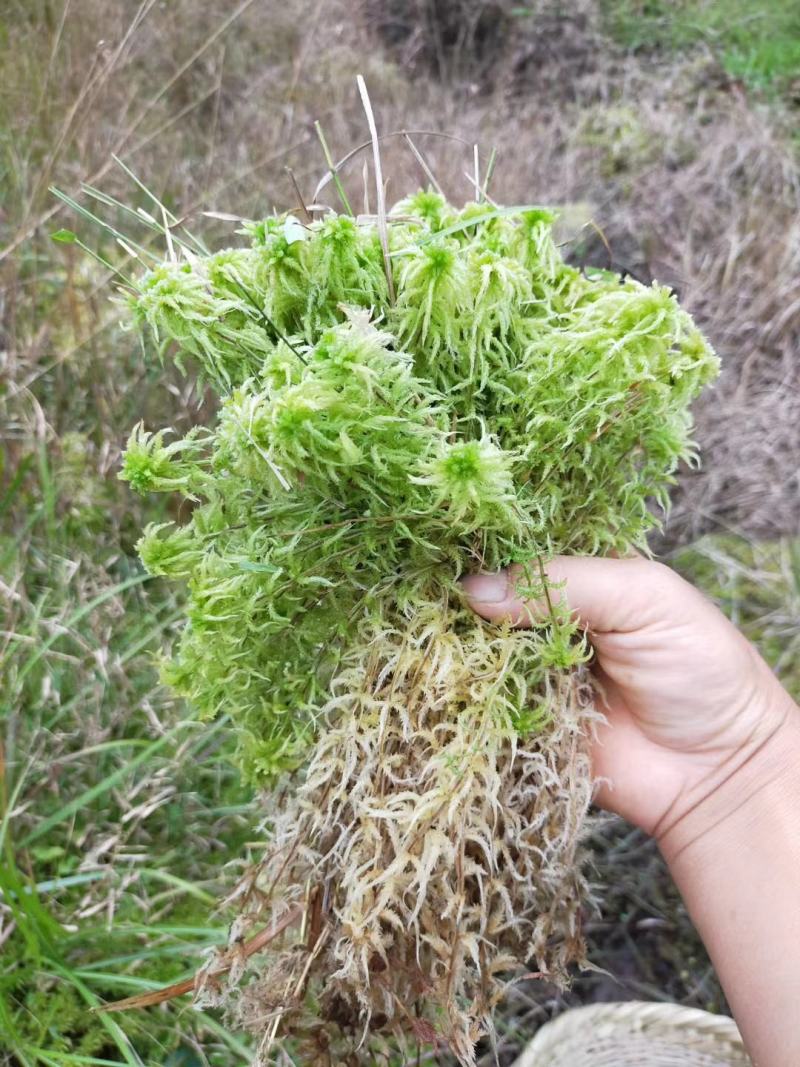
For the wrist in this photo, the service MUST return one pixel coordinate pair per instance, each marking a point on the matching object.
(735, 857)
(748, 791)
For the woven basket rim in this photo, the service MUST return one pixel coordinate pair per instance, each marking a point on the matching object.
(701, 1032)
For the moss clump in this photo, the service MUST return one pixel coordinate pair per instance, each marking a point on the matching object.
(367, 452)
(623, 142)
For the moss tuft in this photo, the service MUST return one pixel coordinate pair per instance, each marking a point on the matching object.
(368, 452)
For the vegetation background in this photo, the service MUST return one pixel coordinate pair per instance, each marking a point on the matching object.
(667, 130)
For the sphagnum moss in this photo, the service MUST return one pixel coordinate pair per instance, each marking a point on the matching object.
(427, 773)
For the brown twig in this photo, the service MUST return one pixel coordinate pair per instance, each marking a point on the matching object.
(178, 989)
(299, 195)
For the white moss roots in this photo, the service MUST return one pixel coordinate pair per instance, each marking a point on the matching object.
(434, 851)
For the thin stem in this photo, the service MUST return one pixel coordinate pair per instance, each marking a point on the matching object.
(298, 194)
(178, 989)
(381, 192)
(332, 170)
(426, 169)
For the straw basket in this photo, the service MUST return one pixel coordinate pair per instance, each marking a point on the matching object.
(636, 1034)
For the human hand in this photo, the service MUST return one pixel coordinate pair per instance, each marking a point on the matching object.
(689, 702)
(701, 748)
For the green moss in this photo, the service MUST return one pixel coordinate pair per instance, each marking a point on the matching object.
(623, 142)
(368, 452)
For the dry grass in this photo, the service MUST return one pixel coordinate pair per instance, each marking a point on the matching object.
(691, 179)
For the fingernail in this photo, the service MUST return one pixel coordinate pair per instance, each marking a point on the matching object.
(486, 588)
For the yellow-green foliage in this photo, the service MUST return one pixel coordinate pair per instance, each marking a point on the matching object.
(620, 138)
(368, 451)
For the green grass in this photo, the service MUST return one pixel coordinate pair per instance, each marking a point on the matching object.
(757, 42)
(118, 814)
(757, 585)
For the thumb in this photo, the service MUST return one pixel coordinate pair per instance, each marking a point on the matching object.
(607, 595)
